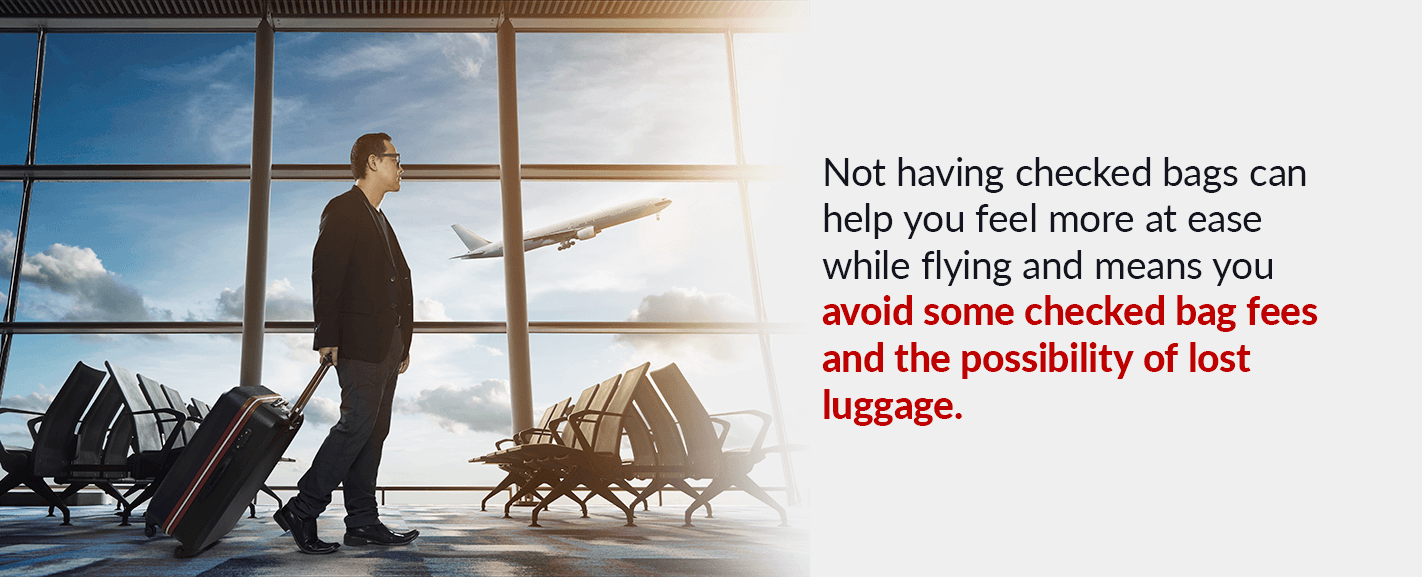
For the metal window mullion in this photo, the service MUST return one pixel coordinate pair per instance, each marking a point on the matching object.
(254, 301)
(413, 172)
(772, 388)
(511, 198)
(22, 228)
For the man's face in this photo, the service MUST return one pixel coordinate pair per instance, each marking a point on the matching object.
(387, 170)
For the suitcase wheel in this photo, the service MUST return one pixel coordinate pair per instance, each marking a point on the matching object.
(149, 529)
(181, 552)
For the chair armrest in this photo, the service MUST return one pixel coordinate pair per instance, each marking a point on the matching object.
(180, 417)
(764, 426)
(32, 423)
(725, 430)
(576, 419)
(553, 432)
(521, 437)
(499, 444)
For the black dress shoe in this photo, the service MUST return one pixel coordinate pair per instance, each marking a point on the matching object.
(304, 532)
(378, 534)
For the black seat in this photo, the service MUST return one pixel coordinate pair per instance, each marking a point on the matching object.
(55, 435)
(594, 458)
(706, 455)
(154, 433)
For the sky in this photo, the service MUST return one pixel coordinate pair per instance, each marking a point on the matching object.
(175, 251)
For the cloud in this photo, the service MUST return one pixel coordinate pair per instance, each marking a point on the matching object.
(235, 61)
(32, 402)
(689, 304)
(283, 303)
(322, 411)
(219, 99)
(466, 53)
(385, 56)
(430, 310)
(97, 293)
(481, 407)
(686, 304)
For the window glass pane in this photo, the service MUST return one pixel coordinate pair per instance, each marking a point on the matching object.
(10, 196)
(435, 94)
(770, 76)
(624, 98)
(198, 366)
(17, 76)
(147, 98)
(421, 214)
(134, 252)
(785, 266)
(687, 263)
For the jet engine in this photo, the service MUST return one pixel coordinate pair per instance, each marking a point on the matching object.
(587, 233)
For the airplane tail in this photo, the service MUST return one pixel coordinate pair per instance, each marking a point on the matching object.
(470, 239)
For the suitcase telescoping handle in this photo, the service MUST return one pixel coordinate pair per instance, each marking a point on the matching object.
(300, 406)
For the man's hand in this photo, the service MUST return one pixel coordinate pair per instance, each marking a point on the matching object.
(324, 351)
(405, 364)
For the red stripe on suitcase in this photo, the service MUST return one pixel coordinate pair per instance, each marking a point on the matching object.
(213, 458)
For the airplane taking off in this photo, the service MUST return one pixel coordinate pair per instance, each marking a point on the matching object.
(565, 233)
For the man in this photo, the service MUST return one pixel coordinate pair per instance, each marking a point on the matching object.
(364, 310)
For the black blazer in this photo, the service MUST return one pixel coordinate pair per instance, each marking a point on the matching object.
(359, 289)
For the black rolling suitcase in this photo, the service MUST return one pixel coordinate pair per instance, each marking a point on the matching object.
(225, 463)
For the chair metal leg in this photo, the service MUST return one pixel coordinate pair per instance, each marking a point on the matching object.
(527, 489)
(686, 487)
(749, 486)
(563, 487)
(651, 489)
(509, 480)
(714, 488)
(42, 489)
(109, 489)
(602, 490)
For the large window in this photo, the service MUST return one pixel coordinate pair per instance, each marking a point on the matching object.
(138, 218)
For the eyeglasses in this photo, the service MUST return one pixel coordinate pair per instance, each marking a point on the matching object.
(397, 157)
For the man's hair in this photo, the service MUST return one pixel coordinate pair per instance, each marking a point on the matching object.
(365, 146)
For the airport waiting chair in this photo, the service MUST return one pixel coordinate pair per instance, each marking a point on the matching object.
(594, 458)
(542, 445)
(659, 453)
(160, 396)
(706, 457)
(175, 400)
(539, 433)
(93, 450)
(153, 435)
(54, 433)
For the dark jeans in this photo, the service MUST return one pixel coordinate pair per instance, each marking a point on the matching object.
(351, 452)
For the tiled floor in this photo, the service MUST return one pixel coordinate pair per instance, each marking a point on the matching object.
(454, 540)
